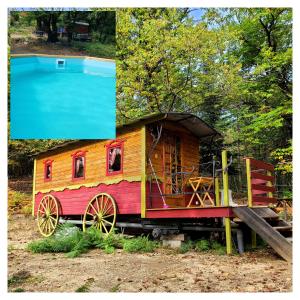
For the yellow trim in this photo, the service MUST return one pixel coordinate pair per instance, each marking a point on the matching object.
(228, 235)
(269, 183)
(143, 172)
(33, 186)
(90, 184)
(226, 202)
(64, 56)
(225, 178)
(248, 171)
(217, 192)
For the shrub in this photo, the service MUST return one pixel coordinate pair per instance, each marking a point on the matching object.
(139, 244)
(202, 245)
(218, 248)
(186, 246)
(70, 240)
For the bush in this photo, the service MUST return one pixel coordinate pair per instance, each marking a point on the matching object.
(96, 49)
(202, 245)
(72, 241)
(139, 244)
(186, 246)
(219, 249)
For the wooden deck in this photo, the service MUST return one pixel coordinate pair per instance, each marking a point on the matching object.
(189, 212)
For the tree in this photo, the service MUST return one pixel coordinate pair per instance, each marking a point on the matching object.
(167, 62)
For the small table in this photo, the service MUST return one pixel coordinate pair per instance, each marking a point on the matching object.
(202, 185)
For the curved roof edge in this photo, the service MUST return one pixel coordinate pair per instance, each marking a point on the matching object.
(191, 122)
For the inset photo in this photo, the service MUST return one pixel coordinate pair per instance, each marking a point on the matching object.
(62, 74)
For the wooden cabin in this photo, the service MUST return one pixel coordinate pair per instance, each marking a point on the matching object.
(145, 176)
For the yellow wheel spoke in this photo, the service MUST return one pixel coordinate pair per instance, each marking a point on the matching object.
(104, 207)
(43, 205)
(93, 208)
(41, 211)
(108, 209)
(97, 201)
(107, 216)
(110, 223)
(54, 219)
(51, 223)
(104, 227)
(43, 221)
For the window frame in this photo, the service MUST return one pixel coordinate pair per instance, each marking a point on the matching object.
(47, 163)
(114, 144)
(77, 154)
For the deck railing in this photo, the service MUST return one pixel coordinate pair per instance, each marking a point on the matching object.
(260, 182)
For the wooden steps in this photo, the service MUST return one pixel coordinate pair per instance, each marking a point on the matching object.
(255, 219)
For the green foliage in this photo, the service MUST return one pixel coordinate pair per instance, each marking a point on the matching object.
(115, 288)
(18, 278)
(83, 289)
(202, 245)
(186, 246)
(218, 248)
(96, 49)
(19, 290)
(233, 68)
(139, 244)
(68, 239)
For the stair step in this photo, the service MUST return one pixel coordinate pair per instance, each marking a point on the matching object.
(265, 212)
(290, 239)
(282, 228)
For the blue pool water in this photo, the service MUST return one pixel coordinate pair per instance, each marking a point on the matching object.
(74, 102)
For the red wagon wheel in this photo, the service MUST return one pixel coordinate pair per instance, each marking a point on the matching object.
(101, 213)
(47, 215)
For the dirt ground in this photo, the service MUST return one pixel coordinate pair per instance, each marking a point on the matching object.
(38, 48)
(162, 271)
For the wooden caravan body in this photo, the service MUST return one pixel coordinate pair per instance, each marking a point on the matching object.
(133, 186)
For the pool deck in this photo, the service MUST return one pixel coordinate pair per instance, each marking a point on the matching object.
(63, 56)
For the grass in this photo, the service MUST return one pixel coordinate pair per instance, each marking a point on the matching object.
(85, 288)
(202, 245)
(95, 49)
(186, 246)
(72, 241)
(19, 290)
(139, 244)
(115, 288)
(18, 201)
(18, 278)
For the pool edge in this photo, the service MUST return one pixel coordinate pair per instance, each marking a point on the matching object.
(64, 56)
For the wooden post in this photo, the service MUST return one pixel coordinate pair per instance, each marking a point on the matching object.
(217, 192)
(248, 171)
(250, 203)
(226, 202)
(269, 183)
(143, 172)
(33, 186)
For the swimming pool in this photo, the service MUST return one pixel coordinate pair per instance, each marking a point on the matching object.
(62, 98)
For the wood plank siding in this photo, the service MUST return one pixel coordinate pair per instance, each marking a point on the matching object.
(95, 172)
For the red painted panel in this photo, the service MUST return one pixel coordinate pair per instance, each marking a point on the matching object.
(264, 188)
(263, 200)
(265, 178)
(153, 199)
(73, 202)
(215, 212)
(261, 165)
